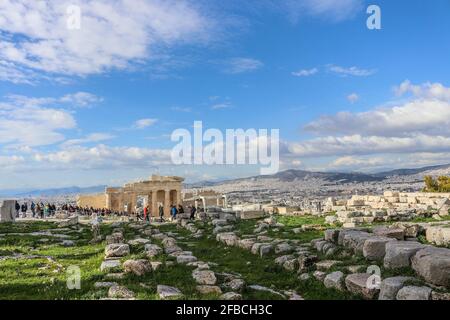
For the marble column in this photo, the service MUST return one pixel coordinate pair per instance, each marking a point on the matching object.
(167, 203)
(155, 211)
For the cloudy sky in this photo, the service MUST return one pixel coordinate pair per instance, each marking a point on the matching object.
(97, 105)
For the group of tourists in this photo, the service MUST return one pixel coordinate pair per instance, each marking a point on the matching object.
(38, 210)
(175, 212)
(47, 210)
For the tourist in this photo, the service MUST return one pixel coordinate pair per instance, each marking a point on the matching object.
(46, 210)
(173, 211)
(180, 209)
(145, 213)
(24, 210)
(17, 209)
(39, 211)
(33, 208)
(193, 211)
(161, 213)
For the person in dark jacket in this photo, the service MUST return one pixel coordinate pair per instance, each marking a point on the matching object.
(193, 211)
(17, 209)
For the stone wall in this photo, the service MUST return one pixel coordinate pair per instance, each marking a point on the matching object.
(396, 200)
(97, 201)
(7, 211)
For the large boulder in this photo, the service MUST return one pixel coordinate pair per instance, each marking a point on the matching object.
(355, 240)
(439, 235)
(137, 267)
(358, 283)
(117, 250)
(414, 293)
(334, 280)
(390, 287)
(375, 247)
(204, 277)
(399, 253)
(433, 264)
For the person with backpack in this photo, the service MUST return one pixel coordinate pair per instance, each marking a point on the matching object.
(174, 212)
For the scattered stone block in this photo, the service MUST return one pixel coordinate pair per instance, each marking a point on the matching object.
(414, 293)
(390, 286)
(183, 259)
(398, 233)
(375, 248)
(433, 264)
(334, 280)
(357, 283)
(120, 292)
(206, 289)
(327, 264)
(204, 277)
(399, 253)
(166, 292)
(117, 250)
(109, 265)
(137, 267)
(231, 296)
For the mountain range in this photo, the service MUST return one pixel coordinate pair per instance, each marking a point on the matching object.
(283, 176)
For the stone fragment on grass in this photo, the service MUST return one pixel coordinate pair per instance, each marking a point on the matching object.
(167, 292)
(358, 283)
(117, 250)
(414, 293)
(334, 280)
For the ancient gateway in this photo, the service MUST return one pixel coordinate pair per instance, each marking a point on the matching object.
(158, 190)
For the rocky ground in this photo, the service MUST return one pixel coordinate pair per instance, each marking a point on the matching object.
(218, 257)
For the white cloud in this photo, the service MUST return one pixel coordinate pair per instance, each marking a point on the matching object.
(144, 123)
(419, 125)
(81, 99)
(350, 71)
(181, 109)
(332, 10)
(113, 34)
(28, 122)
(11, 161)
(363, 145)
(93, 137)
(427, 90)
(305, 72)
(432, 116)
(219, 106)
(352, 98)
(242, 65)
(103, 156)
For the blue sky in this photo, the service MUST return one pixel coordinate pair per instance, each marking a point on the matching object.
(97, 105)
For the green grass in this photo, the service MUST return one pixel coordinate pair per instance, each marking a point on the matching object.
(39, 278)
